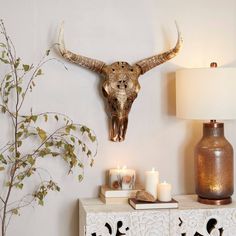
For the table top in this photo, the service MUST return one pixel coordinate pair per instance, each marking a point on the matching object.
(186, 202)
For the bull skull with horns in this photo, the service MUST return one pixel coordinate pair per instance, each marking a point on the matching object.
(120, 86)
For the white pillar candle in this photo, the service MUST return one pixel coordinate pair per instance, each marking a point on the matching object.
(115, 178)
(164, 192)
(127, 178)
(151, 181)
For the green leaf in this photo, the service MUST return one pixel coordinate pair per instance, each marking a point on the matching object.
(67, 129)
(3, 54)
(49, 144)
(34, 118)
(54, 154)
(58, 188)
(44, 152)
(2, 159)
(89, 153)
(92, 162)
(8, 77)
(42, 134)
(22, 126)
(19, 89)
(59, 144)
(80, 178)
(11, 149)
(72, 139)
(41, 202)
(19, 134)
(26, 67)
(92, 137)
(80, 164)
(4, 61)
(45, 117)
(19, 143)
(3, 45)
(17, 62)
(70, 127)
(3, 109)
(7, 184)
(15, 211)
(7, 84)
(39, 72)
(84, 129)
(21, 177)
(73, 127)
(19, 185)
(2, 168)
(31, 160)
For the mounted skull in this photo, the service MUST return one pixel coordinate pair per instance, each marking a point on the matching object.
(121, 85)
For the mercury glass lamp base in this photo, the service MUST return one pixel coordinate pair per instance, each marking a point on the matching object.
(218, 202)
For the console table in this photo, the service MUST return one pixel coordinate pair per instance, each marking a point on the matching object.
(190, 219)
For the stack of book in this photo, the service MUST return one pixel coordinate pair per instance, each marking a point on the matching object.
(111, 196)
(138, 205)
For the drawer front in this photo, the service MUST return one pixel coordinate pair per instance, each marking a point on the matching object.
(136, 223)
(203, 222)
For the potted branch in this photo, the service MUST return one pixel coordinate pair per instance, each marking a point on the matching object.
(18, 161)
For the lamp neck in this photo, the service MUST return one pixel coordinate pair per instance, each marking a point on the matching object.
(213, 128)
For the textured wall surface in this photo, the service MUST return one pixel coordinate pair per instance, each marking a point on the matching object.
(111, 30)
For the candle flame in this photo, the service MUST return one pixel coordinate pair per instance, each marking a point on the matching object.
(153, 169)
(124, 167)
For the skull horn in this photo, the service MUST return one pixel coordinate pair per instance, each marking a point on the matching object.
(151, 62)
(91, 64)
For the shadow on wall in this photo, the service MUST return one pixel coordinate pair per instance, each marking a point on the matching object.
(193, 133)
(186, 154)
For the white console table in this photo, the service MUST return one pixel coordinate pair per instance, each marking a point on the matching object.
(190, 219)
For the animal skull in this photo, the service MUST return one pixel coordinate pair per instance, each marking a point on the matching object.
(120, 86)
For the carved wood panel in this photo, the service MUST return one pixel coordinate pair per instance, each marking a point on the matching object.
(203, 222)
(138, 223)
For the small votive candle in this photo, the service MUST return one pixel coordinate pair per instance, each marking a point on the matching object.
(164, 192)
(151, 181)
(128, 177)
(115, 178)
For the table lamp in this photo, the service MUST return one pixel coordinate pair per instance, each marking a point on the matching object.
(210, 94)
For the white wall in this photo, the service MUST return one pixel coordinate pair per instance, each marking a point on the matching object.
(126, 30)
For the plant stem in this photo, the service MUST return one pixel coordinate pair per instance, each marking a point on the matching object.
(12, 61)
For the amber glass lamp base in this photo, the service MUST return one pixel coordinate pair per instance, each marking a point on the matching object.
(214, 174)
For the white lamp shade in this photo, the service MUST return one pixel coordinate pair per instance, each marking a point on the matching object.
(206, 93)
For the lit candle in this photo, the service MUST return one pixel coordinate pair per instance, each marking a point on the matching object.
(127, 178)
(151, 181)
(164, 192)
(114, 178)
